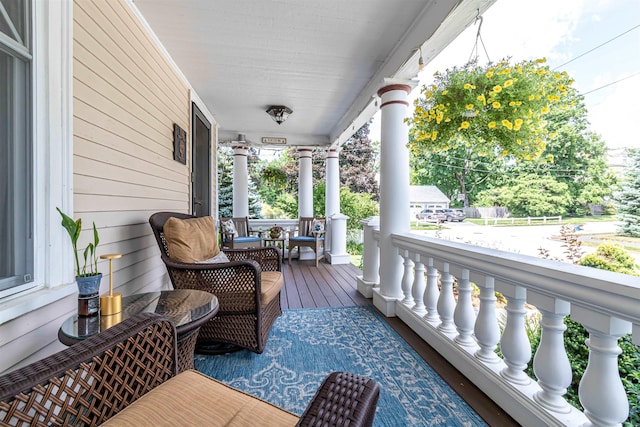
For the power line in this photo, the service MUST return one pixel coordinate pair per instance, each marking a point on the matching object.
(612, 83)
(597, 47)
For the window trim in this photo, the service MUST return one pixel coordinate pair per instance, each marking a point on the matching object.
(52, 133)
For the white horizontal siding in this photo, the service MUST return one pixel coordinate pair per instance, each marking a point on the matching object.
(127, 96)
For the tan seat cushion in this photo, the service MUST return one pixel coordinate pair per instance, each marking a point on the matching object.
(191, 240)
(272, 282)
(194, 399)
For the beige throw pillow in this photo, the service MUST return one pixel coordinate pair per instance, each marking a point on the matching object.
(191, 240)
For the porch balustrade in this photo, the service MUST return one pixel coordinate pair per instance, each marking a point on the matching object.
(441, 311)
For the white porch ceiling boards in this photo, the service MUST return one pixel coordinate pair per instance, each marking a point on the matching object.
(324, 59)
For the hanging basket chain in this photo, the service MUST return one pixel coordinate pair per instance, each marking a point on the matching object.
(474, 52)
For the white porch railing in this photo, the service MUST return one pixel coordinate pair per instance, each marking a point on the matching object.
(606, 303)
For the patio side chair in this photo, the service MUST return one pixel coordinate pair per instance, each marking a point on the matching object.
(310, 234)
(236, 233)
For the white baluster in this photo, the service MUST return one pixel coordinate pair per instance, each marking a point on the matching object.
(432, 294)
(550, 363)
(419, 286)
(601, 391)
(407, 278)
(487, 330)
(446, 302)
(463, 315)
(515, 345)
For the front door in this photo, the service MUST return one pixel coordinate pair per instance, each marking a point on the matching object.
(201, 176)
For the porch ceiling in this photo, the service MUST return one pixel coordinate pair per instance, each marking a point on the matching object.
(323, 59)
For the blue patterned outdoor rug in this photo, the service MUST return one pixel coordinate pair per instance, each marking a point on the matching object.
(306, 345)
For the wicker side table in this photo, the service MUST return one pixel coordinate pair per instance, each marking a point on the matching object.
(187, 309)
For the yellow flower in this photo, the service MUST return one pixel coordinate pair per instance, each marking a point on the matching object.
(489, 73)
(508, 83)
(468, 86)
(532, 97)
(447, 120)
(506, 123)
(518, 122)
(497, 88)
(444, 92)
(469, 106)
(545, 109)
(495, 104)
(434, 135)
(482, 99)
(464, 125)
(492, 125)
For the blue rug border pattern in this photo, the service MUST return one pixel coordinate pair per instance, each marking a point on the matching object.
(305, 345)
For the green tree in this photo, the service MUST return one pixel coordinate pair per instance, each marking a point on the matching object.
(225, 181)
(576, 156)
(628, 198)
(529, 195)
(457, 171)
(358, 164)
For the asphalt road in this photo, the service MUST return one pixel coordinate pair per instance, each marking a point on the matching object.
(524, 240)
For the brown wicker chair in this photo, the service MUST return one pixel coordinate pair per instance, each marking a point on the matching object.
(93, 381)
(243, 320)
(243, 239)
(306, 236)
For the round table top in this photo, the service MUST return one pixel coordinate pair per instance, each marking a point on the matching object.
(186, 308)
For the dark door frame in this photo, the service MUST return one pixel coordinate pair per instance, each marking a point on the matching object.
(196, 162)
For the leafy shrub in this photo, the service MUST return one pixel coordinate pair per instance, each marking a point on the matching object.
(611, 257)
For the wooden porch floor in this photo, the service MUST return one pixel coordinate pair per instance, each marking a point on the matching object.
(335, 286)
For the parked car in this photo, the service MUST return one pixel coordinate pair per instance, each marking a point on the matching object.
(432, 215)
(454, 215)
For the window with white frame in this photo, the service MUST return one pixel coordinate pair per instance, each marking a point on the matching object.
(16, 166)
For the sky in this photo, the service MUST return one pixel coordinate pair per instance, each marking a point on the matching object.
(567, 33)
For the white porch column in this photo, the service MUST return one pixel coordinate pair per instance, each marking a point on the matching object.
(305, 182)
(305, 192)
(332, 194)
(240, 181)
(339, 253)
(370, 258)
(394, 192)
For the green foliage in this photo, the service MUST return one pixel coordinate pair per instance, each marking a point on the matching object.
(611, 257)
(356, 206)
(90, 267)
(225, 182)
(529, 195)
(496, 109)
(628, 198)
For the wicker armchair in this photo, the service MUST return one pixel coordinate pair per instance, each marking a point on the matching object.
(132, 366)
(243, 238)
(244, 287)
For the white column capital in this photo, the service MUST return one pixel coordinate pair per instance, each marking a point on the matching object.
(240, 150)
(333, 152)
(305, 152)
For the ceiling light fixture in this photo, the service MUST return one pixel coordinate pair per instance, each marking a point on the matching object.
(279, 113)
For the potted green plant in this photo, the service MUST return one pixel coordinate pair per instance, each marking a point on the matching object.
(88, 278)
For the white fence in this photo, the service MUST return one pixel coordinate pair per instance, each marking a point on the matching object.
(528, 220)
